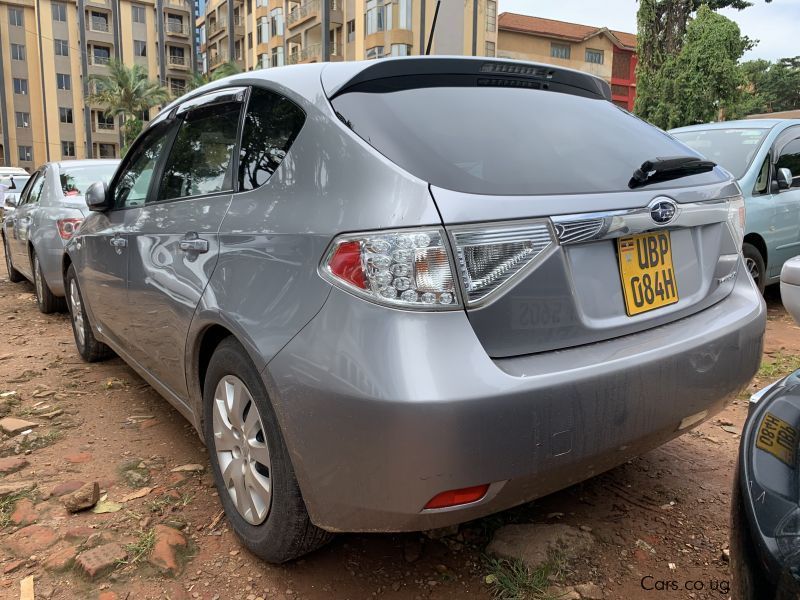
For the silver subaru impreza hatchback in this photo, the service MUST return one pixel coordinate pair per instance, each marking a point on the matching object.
(403, 294)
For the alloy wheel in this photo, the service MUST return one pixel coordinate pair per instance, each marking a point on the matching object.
(752, 268)
(76, 308)
(241, 447)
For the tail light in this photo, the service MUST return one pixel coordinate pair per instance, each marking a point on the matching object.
(736, 219)
(406, 269)
(491, 256)
(68, 227)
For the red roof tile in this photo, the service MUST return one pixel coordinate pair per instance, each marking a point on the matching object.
(559, 29)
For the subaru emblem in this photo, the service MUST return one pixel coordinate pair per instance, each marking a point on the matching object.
(663, 210)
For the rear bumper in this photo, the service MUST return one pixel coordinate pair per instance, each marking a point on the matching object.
(383, 409)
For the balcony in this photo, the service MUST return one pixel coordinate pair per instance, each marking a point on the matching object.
(313, 53)
(99, 60)
(100, 126)
(302, 13)
(217, 59)
(215, 27)
(98, 24)
(176, 27)
(177, 61)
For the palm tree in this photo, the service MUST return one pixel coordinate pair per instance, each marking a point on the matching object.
(224, 70)
(127, 92)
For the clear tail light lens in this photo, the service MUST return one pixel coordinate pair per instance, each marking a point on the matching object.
(68, 227)
(406, 269)
(736, 219)
(488, 257)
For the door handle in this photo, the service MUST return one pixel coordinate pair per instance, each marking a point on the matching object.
(193, 243)
(118, 242)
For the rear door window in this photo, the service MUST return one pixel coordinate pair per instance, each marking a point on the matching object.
(507, 140)
(200, 161)
(271, 125)
(790, 159)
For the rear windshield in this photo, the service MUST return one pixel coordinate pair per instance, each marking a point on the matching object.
(76, 180)
(509, 141)
(732, 148)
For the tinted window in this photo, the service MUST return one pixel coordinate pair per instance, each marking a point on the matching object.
(76, 180)
(790, 159)
(733, 149)
(200, 160)
(502, 140)
(132, 185)
(270, 127)
(36, 191)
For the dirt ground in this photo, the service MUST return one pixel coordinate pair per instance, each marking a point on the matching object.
(661, 517)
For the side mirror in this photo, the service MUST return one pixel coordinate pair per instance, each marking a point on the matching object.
(784, 179)
(97, 197)
(12, 201)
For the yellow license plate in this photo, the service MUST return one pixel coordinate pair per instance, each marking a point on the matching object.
(648, 277)
(778, 438)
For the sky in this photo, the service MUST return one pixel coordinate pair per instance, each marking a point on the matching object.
(775, 25)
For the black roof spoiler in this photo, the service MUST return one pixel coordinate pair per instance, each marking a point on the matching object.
(489, 72)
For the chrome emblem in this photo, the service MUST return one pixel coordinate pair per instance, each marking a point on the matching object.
(663, 210)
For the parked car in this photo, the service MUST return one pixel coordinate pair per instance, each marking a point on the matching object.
(12, 186)
(12, 171)
(765, 515)
(47, 214)
(764, 156)
(384, 314)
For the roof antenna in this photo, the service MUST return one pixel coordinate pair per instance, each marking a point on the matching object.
(433, 27)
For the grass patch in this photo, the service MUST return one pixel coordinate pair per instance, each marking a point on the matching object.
(512, 580)
(8, 503)
(141, 548)
(40, 440)
(779, 365)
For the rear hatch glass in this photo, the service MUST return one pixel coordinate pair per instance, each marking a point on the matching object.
(507, 141)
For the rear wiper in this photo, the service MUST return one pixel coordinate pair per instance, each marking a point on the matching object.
(664, 169)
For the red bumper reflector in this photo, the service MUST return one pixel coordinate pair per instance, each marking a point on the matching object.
(456, 497)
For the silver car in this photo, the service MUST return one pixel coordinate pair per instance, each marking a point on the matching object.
(44, 217)
(402, 294)
(12, 186)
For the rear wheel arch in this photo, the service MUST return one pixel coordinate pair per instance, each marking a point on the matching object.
(758, 243)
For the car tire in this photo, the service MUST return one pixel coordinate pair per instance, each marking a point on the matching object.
(14, 276)
(45, 299)
(271, 518)
(755, 265)
(88, 347)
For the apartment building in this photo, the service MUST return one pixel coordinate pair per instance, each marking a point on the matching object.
(598, 50)
(48, 50)
(271, 33)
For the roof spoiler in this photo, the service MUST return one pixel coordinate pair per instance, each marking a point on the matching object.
(489, 72)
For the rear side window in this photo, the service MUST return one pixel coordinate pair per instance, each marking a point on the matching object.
(270, 127)
(509, 141)
(200, 160)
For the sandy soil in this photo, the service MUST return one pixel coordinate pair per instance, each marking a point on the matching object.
(664, 515)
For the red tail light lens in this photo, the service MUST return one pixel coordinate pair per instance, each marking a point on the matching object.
(457, 497)
(345, 263)
(68, 227)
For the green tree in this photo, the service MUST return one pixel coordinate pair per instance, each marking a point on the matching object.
(127, 92)
(662, 26)
(773, 86)
(703, 82)
(224, 70)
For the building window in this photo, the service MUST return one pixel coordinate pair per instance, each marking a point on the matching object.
(17, 52)
(177, 87)
(101, 55)
(20, 86)
(63, 81)
(68, 149)
(401, 50)
(15, 18)
(351, 30)
(276, 21)
(22, 119)
(105, 122)
(59, 11)
(262, 30)
(99, 21)
(398, 14)
(375, 52)
(560, 50)
(277, 57)
(491, 15)
(249, 6)
(375, 16)
(594, 56)
(25, 153)
(237, 50)
(249, 40)
(491, 49)
(64, 114)
(263, 61)
(175, 24)
(62, 47)
(138, 13)
(176, 56)
(139, 48)
(106, 151)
